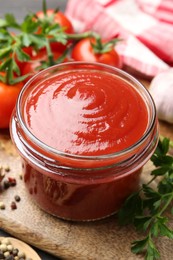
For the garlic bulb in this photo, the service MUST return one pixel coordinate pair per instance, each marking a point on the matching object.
(161, 89)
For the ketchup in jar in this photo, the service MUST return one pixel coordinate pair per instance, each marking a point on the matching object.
(84, 132)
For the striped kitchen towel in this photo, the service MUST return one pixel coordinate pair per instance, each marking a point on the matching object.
(146, 27)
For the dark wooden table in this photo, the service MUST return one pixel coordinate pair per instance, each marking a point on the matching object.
(20, 8)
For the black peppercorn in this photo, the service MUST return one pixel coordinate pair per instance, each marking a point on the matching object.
(17, 198)
(6, 184)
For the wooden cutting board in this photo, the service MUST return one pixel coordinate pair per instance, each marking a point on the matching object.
(103, 239)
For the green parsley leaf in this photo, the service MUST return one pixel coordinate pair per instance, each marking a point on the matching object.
(11, 21)
(131, 208)
(21, 55)
(4, 52)
(148, 216)
(139, 245)
(3, 23)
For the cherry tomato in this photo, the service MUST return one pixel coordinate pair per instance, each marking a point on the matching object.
(8, 97)
(32, 67)
(63, 21)
(59, 18)
(28, 50)
(83, 51)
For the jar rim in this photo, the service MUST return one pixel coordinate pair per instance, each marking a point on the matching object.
(55, 151)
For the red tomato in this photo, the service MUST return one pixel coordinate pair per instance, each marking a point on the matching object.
(59, 18)
(63, 21)
(31, 67)
(28, 50)
(83, 51)
(8, 97)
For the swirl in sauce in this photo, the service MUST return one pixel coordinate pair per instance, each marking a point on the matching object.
(86, 113)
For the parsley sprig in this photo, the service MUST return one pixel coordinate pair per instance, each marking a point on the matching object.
(33, 31)
(37, 32)
(148, 208)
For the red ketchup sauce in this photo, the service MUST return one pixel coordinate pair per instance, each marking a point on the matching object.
(91, 126)
(86, 113)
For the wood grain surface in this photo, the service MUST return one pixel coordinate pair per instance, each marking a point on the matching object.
(103, 239)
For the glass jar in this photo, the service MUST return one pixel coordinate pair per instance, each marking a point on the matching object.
(81, 187)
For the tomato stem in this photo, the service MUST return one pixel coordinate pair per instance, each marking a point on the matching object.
(79, 36)
(44, 7)
(49, 54)
(9, 74)
(98, 46)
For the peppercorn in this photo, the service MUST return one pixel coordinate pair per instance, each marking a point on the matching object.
(15, 252)
(17, 198)
(21, 255)
(7, 168)
(3, 247)
(9, 247)
(2, 205)
(8, 252)
(12, 181)
(21, 176)
(5, 241)
(6, 184)
(1, 173)
(13, 205)
(10, 257)
(1, 255)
